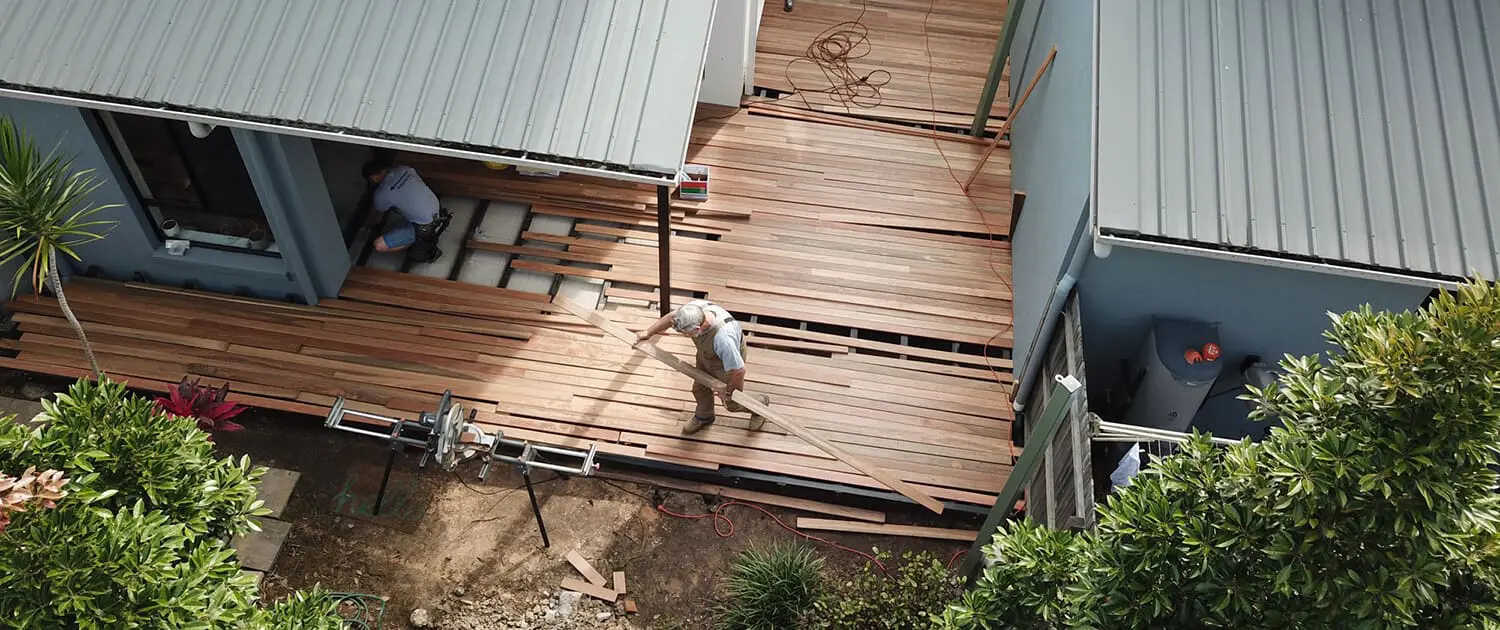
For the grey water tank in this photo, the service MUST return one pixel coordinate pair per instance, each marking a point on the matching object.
(1170, 387)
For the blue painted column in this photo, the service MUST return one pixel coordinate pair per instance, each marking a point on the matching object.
(285, 172)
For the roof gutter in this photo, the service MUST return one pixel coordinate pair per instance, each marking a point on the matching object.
(1103, 242)
(334, 136)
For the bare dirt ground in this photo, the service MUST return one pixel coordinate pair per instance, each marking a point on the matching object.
(476, 551)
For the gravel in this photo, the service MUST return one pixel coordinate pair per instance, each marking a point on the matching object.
(547, 610)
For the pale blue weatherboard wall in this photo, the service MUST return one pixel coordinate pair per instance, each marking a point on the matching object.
(133, 247)
(1263, 310)
(1049, 153)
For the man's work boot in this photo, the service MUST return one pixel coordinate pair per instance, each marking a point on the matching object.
(695, 425)
(432, 257)
(756, 420)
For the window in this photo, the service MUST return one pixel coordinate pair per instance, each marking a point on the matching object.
(194, 187)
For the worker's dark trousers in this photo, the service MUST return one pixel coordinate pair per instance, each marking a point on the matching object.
(709, 361)
(426, 240)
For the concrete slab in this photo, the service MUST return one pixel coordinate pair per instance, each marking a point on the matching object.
(581, 290)
(258, 550)
(389, 261)
(256, 576)
(276, 489)
(551, 224)
(484, 268)
(502, 222)
(532, 281)
(24, 410)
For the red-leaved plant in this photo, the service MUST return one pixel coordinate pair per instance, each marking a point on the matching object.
(203, 403)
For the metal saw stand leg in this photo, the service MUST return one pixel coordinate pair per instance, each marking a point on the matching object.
(536, 508)
(390, 461)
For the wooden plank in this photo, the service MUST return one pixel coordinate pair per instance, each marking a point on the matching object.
(585, 569)
(750, 495)
(754, 405)
(600, 592)
(995, 143)
(619, 582)
(938, 533)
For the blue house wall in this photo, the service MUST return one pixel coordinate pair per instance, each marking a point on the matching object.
(1050, 144)
(1261, 310)
(284, 171)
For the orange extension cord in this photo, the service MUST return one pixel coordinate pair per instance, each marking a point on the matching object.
(989, 232)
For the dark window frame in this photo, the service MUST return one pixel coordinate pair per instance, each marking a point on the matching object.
(142, 210)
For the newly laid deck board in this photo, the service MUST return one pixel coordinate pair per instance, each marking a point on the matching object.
(937, 53)
(813, 227)
(532, 383)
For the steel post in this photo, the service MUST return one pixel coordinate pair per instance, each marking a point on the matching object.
(664, 246)
(1021, 474)
(997, 67)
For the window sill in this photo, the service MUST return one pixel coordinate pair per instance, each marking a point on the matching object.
(241, 262)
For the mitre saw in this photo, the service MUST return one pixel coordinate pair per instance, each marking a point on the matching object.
(450, 438)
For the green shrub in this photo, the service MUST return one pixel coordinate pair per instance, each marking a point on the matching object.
(1373, 507)
(917, 588)
(304, 610)
(1026, 588)
(139, 540)
(771, 589)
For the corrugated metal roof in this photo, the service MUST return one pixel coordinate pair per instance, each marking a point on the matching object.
(1360, 132)
(611, 82)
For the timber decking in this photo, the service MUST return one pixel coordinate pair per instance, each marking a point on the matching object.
(809, 222)
(936, 51)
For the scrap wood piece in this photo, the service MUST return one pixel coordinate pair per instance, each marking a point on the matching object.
(586, 569)
(630, 607)
(854, 527)
(806, 505)
(1010, 117)
(755, 406)
(619, 582)
(579, 586)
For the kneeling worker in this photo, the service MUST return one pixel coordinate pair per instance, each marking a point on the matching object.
(421, 219)
(721, 353)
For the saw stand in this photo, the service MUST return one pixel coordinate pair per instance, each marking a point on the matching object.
(450, 438)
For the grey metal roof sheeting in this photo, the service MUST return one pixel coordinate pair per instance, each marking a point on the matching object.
(612, 82)
(1357, 132)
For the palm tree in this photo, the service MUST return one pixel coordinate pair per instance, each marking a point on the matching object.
(44, 209)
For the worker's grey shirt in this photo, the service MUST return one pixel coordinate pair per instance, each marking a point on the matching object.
(405, 191)
(728, 339)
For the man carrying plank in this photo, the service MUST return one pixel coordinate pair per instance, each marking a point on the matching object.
(756, 404)
(720, 352)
